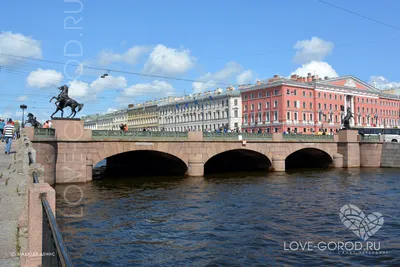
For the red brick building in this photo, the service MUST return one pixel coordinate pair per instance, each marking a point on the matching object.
(310, 104)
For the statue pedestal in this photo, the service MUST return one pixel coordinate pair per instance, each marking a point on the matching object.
(70, 130)
(349, 147)
(348, 135)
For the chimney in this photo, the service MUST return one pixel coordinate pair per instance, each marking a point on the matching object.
(293, 77)
(276, 76)
(131, 105)
(326, 78)
(258, 82)
(299, 79)
(309, 78)
(309, 74)
(304, 79)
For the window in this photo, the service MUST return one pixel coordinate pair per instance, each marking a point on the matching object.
(251, 96)
(304, 117)
(296, 104)
(267, 117)
(310, 94)
(288, 115)
(245, 108)
(275, 104)
(275, 115)
(295, 92)
(319, 105)
(245, 119)
(259, 106)
(275, 130)
(288, 103)
(267, 105)
(252, 118)
(319, 95)
(335, 97)
(330, 106)
(310, 105)
(304, 93)
(324, 95)
(267, 94)
(276, 92)
(311, 117)
(336, 118)
(252, 107)
(235, 102)
(288, 92)
(335, 106)
(235, 112)
(259, 117)
(341, 98)
(304, 130)
(325, 106)
(330, 96)
(304, 104)
(295, 116)
(259, 94)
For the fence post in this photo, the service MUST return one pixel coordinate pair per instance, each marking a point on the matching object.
(35, 222)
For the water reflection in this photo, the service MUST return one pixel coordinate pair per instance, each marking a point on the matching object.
(227, 220)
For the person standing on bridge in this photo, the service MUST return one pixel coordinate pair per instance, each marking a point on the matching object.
(2, 124)
(8, 135)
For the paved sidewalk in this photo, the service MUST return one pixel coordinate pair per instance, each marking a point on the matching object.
(12, 203)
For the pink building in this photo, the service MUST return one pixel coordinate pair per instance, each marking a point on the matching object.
(310, 104)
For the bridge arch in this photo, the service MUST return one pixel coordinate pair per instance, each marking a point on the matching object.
(148, 156)
(309, 157)
(237, 159)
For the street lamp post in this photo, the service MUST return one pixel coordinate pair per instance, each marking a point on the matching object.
(23, 107)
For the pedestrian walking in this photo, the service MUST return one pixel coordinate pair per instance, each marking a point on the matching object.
(8, 133)
(2, 124)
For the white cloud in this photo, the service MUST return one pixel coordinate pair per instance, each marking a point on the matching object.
(319, 68)
(212, 79)
(18, 45)
(22, 98)
(41, 78)
(18, 114)
(82, 89)
(383, 83)
(169, 61)
(78, 89)
(315, 49)
(110, 110)
(245, 77)
(5, 115)
(109, 82)
(131, 56)
(155, 89)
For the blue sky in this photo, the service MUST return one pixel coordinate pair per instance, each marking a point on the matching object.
(225, 42)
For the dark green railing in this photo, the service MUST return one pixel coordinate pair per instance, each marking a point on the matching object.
(307, 137)
(236, 136)
(45, 133)
(370, 138)
(129, 135)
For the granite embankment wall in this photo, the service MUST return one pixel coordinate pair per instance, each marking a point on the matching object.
(390, 155)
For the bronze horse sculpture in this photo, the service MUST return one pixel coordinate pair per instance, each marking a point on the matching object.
(32, 120)
(63, 101)
(346, 119)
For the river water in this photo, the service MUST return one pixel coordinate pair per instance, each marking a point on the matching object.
(230, 220)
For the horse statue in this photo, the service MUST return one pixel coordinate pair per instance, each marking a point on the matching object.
(63, 101)
(32, 120)
(346, 119)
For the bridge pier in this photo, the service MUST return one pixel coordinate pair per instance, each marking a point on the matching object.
(278, 163)
(349, 147)
(195, 165)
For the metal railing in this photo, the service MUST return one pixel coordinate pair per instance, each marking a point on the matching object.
(54, 251)
(107, 134)
(209, 136)
(307, 137)
(370, 138)
(40, 133)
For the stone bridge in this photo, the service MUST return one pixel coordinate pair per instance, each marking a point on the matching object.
(69, 152)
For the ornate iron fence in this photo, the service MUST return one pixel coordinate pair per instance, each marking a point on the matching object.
(44, 133)
(210, 136)
(107, 134)
(307, 137)
(370, 138)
